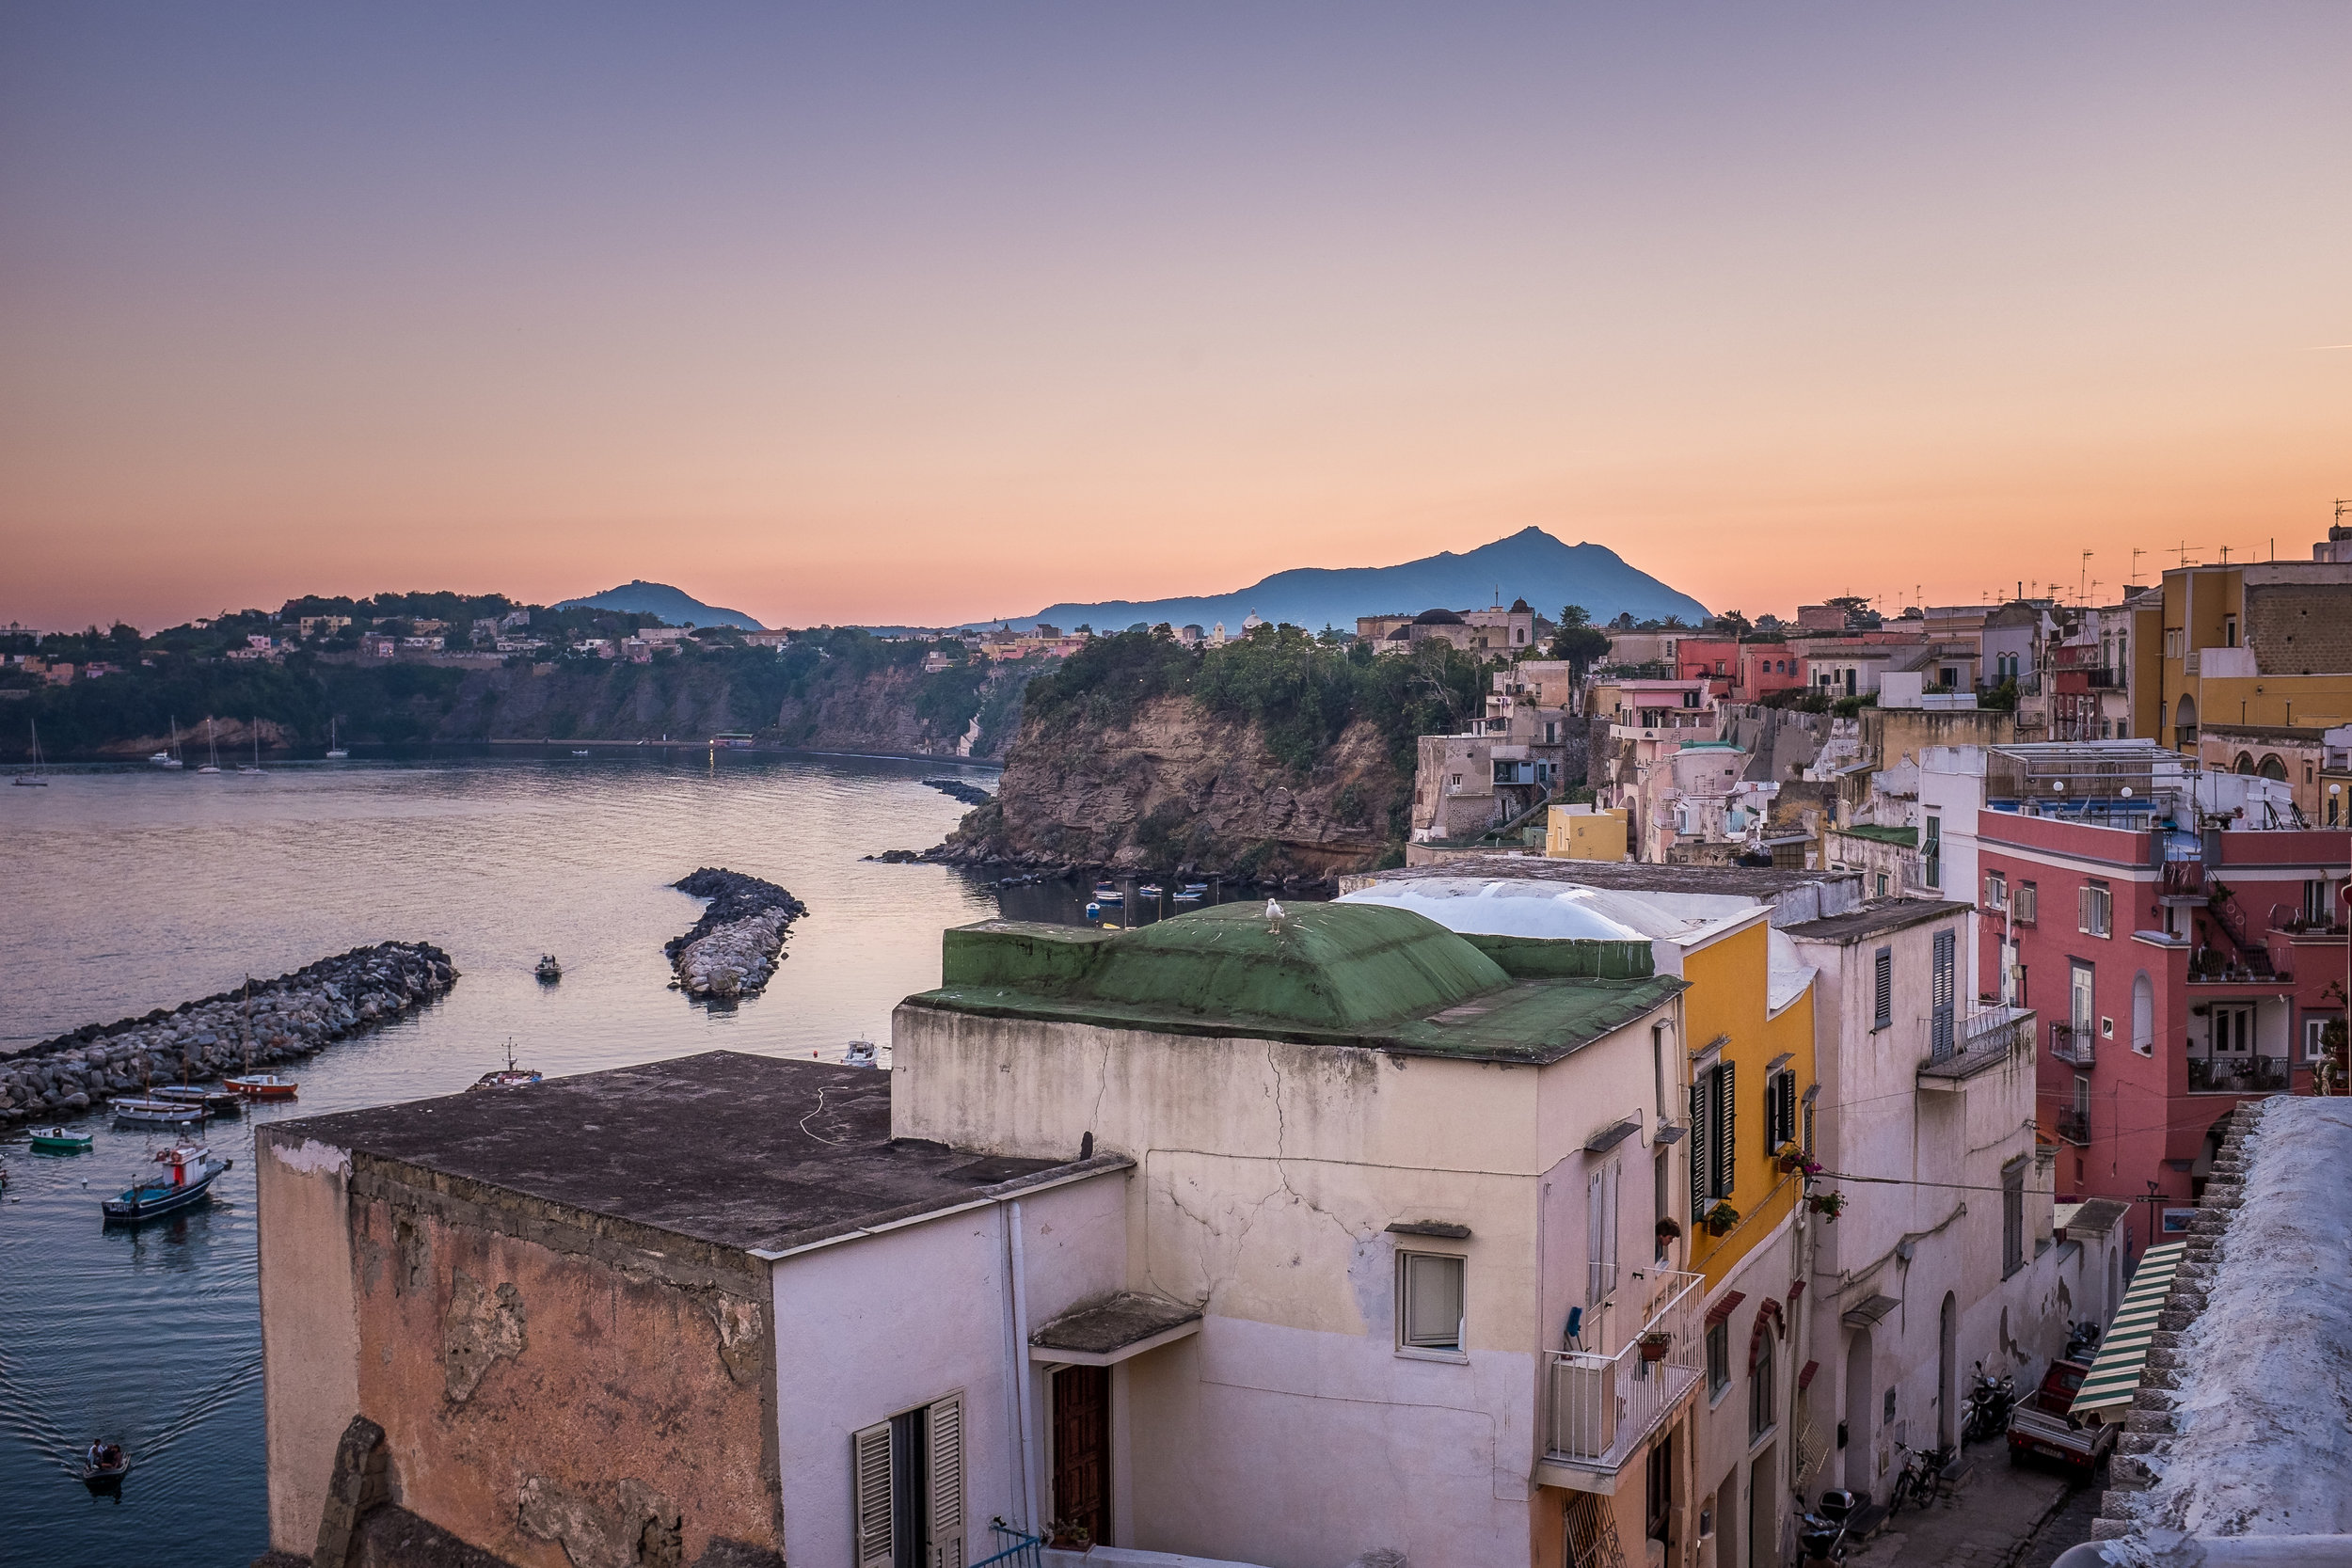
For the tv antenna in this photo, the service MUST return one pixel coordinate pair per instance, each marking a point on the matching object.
(2082, 578)
(2136, 555)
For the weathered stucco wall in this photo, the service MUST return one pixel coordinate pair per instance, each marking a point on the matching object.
(638, 1365)
(868, 1328)
(1269, 1174)
(310, 1339)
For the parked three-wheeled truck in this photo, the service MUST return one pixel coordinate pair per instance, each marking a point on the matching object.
(2040, 1425)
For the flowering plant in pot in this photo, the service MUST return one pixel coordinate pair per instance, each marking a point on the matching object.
(1655, 1343)
(1793, 1161)
(1721, 1219)
(1070, 1535)
(1828, 1205)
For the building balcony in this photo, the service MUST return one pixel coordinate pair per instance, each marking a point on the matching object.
(2238, 1074)
(1961, 1046)
(2239, 974)
(2074, 1126)
(2071, 1045)
(1599, 1408)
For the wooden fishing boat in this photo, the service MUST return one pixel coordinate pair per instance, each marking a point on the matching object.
(56, 1140)
(138, 1111)
(549, 969)
(184, 1174)
(262, 1085)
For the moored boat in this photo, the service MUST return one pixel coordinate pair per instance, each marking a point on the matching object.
(1192, 893)
(262, 1085)
(185, 1173)
(219, 1102)
(1105, 893)
(1150, 890)
(56, 1140)
(336, 751)
(861, 1053)
(549, 969)
(143, 1111)
(34, 780)
(509, 1077)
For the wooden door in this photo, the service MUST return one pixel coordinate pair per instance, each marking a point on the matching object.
(1082, 1450)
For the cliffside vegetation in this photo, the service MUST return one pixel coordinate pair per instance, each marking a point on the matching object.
(1280, 755)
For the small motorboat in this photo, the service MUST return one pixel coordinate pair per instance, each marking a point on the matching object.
(1150, 890)
(219, 1102)
(509, 1077)
(103, 1466)
(549, 969)
(861, 1053)
(186, 1173)
(56, 1140)
(1192, 893)
(262, 1086)
(1105, 893)
(580, 753)
(144, 1111)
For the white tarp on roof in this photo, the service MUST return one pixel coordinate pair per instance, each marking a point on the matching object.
(2266, 1382)
(1560, 911)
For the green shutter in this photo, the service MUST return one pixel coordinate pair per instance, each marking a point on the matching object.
(1727, 1139)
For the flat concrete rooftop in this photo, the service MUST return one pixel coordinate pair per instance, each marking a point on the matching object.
(1755, 882)
(757, 1153)
(1877, 918)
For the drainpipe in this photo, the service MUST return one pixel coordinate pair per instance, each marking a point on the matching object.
(1024, 1379)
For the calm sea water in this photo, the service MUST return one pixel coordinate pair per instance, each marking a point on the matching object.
(122, 891)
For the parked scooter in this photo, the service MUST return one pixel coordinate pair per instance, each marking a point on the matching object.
(2082, 1340)
(1821, 1534)
(1990, 1400)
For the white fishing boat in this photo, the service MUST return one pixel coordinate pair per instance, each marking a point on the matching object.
(861, 1053)
(211, 748)
(170, 756)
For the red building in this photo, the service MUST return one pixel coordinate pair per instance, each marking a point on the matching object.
(1739, 672)
(2182, 937)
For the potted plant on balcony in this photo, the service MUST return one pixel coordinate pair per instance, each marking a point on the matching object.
(1828, 1205)
(1655, 1343)
(1722, 1219)
(1793, 1161)
(1070, 1535)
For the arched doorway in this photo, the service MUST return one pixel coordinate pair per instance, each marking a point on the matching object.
(2185, 722)
(1947, 1373)
(1859, 1425)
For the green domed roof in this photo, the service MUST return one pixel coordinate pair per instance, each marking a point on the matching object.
(1323, 965)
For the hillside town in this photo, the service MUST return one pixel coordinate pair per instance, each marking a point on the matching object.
(1797, 1069)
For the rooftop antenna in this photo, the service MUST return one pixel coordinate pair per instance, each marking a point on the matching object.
(2183, 549)
(2225, 555)
(2136, 555)
(2083, 579)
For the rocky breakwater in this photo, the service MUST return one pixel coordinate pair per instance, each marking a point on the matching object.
(262, 1025)
(733, 950)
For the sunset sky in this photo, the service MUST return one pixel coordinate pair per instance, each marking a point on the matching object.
(891, 313)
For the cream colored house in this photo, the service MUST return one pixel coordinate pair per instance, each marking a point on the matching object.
(1407, 1181)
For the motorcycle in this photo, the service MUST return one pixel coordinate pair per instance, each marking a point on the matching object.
(1990, 1400)
(2082, 1340)
(1821, 1534)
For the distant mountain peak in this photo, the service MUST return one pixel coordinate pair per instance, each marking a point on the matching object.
(673, 605)
(1531, 565)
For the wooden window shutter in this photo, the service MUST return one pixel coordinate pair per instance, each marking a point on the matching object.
(1702, 1160)
(1727, 1139)
(870, 1486)
(947, 1477)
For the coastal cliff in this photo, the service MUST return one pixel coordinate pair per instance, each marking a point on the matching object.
(1179, 789)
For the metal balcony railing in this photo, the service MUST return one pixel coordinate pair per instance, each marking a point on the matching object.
(2074, 1126)
(2069, 1044)
(2238, 1074)
(1599, 1407)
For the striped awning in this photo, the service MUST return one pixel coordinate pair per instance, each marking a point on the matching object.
(2107, 1393)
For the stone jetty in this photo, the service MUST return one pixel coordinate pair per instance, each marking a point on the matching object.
(733, 950)
(279, 1020)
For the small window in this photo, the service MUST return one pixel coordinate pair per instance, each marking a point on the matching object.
(1430, 1304)
(2013, 1217)
(1760, 1385)
(2028, 900)
(2316, 1038)
(907, 1484)
(2096, 908)
(1882, 990)
(1718, 1359)
(1780, 1110)
(1996, 889)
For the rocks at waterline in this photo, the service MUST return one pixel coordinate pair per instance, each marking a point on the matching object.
(287, 1017)
(734, 949)
(956, 789)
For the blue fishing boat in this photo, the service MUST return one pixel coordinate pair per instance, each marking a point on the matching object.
(185, 1173)
(1192, 893)
(1150, 890)
(1107, 894)
(139, 1112)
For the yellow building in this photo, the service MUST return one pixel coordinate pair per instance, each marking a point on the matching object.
(2260, 644)
(1584, 834)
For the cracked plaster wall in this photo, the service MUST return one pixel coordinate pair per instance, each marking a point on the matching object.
(310, 1335)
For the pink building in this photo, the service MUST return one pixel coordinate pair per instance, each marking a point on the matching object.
(2182, 935)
